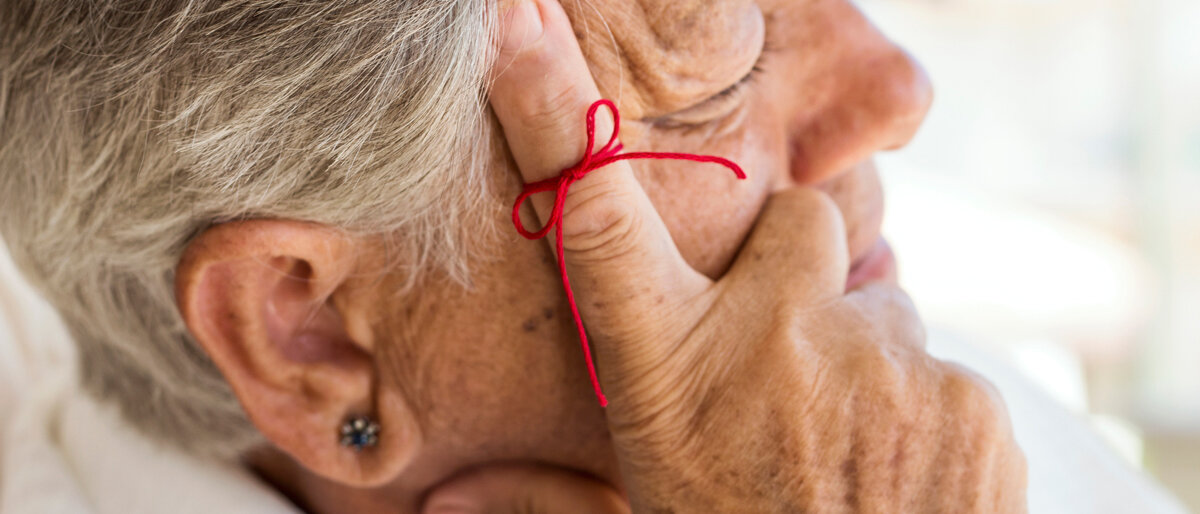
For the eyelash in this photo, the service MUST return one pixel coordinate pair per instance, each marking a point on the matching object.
(741, 84)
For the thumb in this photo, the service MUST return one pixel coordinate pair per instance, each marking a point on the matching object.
(797, 248)
(525, 489)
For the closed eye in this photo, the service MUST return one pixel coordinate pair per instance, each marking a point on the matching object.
(737, 87)
(715, 107)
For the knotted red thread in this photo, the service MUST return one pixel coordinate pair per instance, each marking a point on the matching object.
(608, 154)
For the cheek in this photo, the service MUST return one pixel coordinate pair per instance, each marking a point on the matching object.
(708, 211)
(495, 372)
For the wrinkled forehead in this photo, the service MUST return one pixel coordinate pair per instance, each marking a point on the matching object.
(659, 56)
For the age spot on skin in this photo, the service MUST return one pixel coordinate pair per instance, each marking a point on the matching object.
(850, 472)
(530, 324)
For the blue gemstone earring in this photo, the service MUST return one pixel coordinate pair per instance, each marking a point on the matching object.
(360, 432)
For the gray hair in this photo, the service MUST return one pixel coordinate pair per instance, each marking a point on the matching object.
(128, 127)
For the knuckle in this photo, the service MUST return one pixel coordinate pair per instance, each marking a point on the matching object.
(982, 431)
(894, 312)
(974, 401)
(898, 301)
(885, 297)
(600, 226)
(902, 316)
(552, 112)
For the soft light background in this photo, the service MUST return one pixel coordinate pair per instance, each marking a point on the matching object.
(1049, 210)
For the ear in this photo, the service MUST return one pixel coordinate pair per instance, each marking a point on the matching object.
(274, 305)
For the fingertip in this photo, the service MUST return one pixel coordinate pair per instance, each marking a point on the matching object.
(536, 47)
(541, 85)
(801, 233)
(521, 26)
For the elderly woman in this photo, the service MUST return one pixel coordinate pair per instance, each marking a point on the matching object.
(279, 234)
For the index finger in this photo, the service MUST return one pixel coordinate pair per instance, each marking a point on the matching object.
(617, 249)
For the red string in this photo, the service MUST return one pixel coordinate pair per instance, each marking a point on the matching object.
(606, 155)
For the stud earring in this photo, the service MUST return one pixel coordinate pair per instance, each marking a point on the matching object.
(360, 432)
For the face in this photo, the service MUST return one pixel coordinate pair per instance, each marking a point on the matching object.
(801, 93)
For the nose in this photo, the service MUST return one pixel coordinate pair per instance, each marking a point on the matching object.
(874, 96)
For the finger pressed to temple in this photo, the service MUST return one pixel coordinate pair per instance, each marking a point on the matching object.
(624, 267)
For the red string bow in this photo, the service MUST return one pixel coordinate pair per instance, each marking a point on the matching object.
(608, 154)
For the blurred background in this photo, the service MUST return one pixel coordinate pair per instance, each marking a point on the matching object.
(1048, 208)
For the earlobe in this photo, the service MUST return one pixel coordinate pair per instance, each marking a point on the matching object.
(266, 301)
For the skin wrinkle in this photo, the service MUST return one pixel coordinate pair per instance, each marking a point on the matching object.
(671, 65)
(612, 40)
(483, 389)
(656, 33)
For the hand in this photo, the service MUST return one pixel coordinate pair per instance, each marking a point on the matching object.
(772, 389)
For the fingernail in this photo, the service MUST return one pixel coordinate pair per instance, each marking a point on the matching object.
(523, 26)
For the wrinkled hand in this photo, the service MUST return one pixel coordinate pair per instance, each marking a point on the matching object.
(771, 390)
